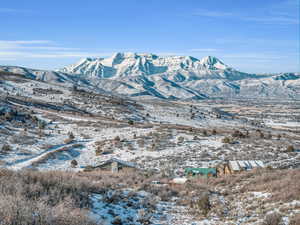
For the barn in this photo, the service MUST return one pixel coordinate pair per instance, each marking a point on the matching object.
(238, 166)
(115, 165)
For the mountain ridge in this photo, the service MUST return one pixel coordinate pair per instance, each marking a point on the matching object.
(130, 64)
(168, 77)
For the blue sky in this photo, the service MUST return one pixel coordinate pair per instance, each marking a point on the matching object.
(252, 36)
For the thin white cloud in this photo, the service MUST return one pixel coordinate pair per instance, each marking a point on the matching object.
(11, 10)
(18, 44)
(283, 13)
(32, 45)
(256, 56)
(9, 53)
(22, 49)
(27, 41)
(21, 54)
(18, 49)
(257, 41)
(3, 58)
(208, 13)
(68, 55)
(203, 50)
(273, 20)
(285, 7)
(47, 48)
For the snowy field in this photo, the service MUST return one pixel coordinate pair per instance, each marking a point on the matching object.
(46, 127)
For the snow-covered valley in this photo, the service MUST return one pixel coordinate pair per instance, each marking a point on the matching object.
(58, 121)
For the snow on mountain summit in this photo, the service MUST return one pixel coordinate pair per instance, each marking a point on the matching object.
(286, 76)
(167, 77)
(175, 77)
(211, 62)
(134, 64)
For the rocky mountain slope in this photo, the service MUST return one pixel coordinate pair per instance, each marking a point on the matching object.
(42, 75)
(170, 77)
(176, 68)
(180, 77)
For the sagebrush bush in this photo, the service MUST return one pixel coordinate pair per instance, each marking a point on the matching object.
(290, 148)
(74, 163)
(43, 198)
(98, 151)
(117, 138)
(272, 219)
(295, 220)
(282, 184)
(41, 124)
(18, 210)
(238, 134)
(226, 140)
(6, 148)
(201, 204)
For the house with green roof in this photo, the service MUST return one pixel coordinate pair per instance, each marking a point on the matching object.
(207, 172)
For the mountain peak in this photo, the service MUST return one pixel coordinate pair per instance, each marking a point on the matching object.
(83, 60)
(130, 64)
(212, 62)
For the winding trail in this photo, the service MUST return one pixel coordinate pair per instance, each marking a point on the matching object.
(27, 162)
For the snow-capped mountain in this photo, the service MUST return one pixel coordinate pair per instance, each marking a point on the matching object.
(169, 77)
(180, 77)
(176, 68)
(287, 76)
(52, 77)
(43, 75)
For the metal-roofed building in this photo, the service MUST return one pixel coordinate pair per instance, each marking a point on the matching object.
(114, 165)
(238, 166)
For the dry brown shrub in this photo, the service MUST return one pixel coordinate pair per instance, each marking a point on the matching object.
(117, 138)
(44, 198)
(201, 204)
(17, 210)
(295, 220)
(283, 184)
(226, 140)
(74, 163)
(290, 148)
(272, 219)
(6, 148)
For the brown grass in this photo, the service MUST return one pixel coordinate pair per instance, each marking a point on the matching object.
(31, 197)
(295, 220)
(282, 184)
(272, 219)
(65, 195)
